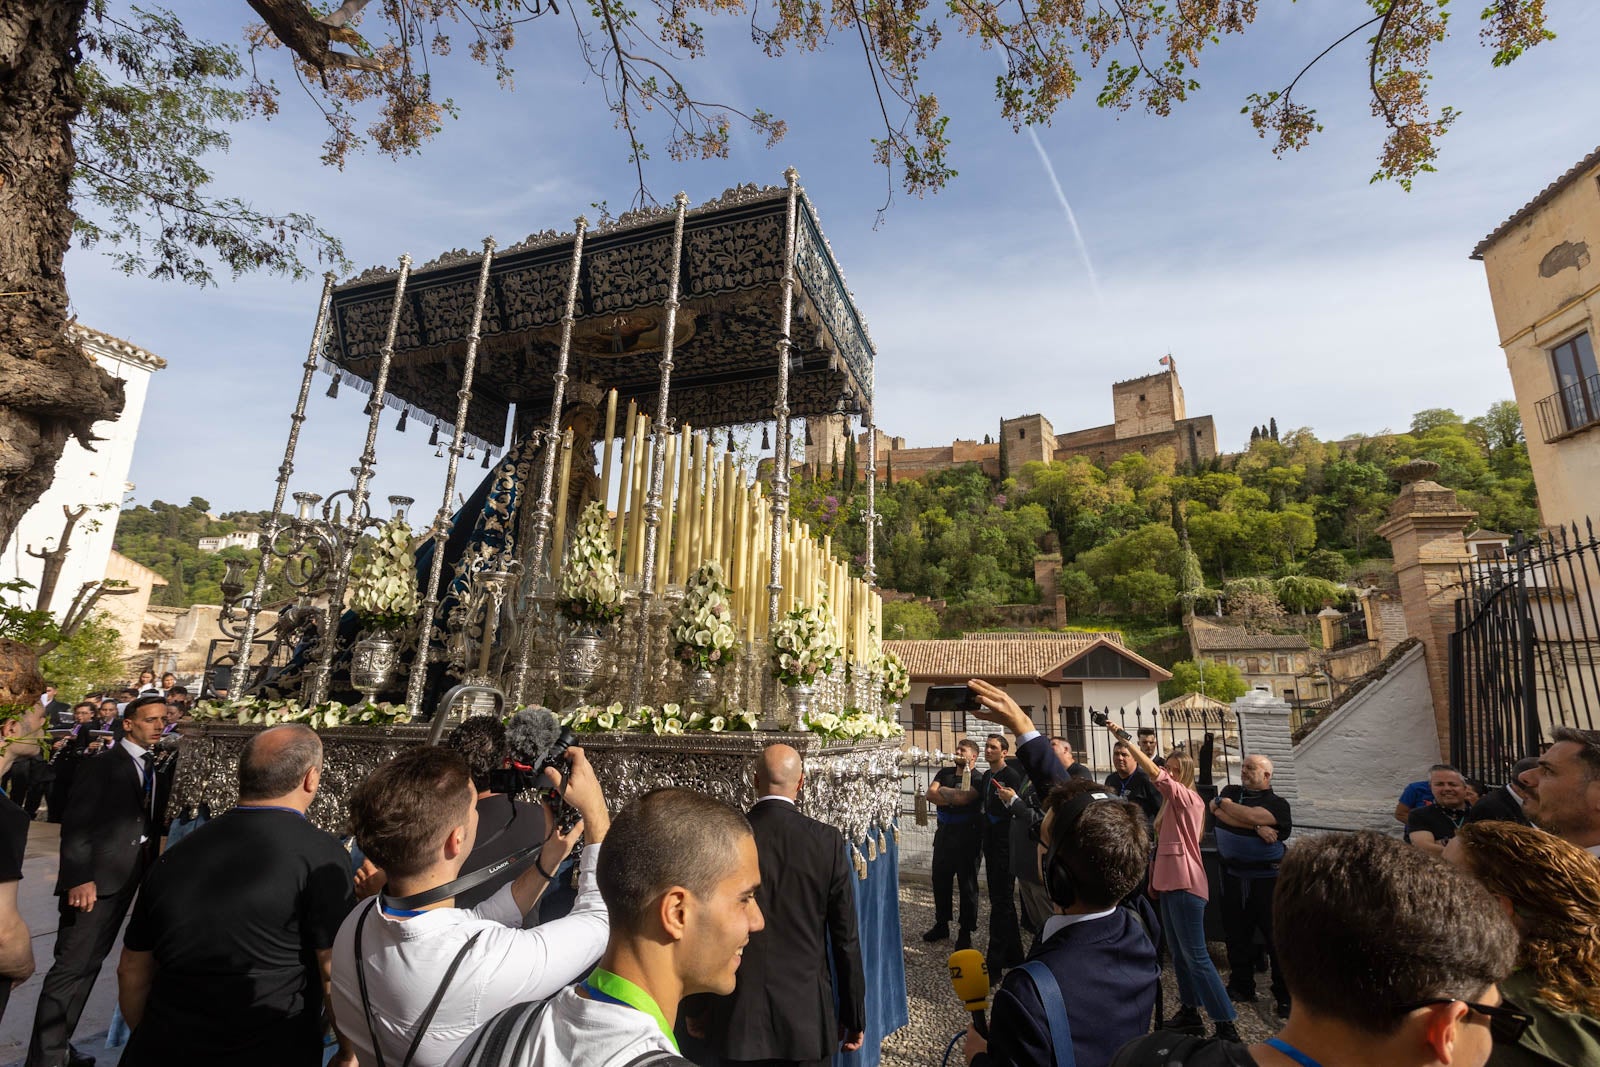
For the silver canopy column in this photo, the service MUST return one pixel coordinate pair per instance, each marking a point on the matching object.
(442, 524)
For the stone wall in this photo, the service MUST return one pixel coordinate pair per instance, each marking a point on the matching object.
(1029, 439)
(1353, 766)
(1149, 405)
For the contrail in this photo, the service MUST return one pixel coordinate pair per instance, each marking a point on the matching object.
(1072, 220)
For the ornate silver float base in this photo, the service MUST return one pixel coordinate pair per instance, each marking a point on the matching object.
(374, 662)
(852, 786)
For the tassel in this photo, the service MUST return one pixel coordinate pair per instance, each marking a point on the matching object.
(872, 847)
(765, 443)
(433, 438)
(438, 453)
(883, 843)
(895, 829)
(333, 386)
(486, 461)
(401, 425)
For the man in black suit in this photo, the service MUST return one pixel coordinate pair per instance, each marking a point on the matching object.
(108, 840)
(781, 1012)
(1507, 804)
(57, 712)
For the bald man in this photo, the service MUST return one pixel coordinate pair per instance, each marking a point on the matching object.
(1252, 823)
(227, 956)
(782, 1012)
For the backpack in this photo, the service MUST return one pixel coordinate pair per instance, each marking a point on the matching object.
(1168, 1048)
(500, 1039)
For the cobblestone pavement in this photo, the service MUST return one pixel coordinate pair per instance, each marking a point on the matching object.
(935, 1014)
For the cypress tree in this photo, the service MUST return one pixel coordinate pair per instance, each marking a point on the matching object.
(1255, 434)
(1273, 423)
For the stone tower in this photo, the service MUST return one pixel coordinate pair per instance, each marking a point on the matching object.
(1152, 404)
(1028, 439)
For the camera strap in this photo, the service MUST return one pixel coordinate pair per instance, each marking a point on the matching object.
(471, 880)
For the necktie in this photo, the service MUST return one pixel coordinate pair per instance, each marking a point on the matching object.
(149, 762)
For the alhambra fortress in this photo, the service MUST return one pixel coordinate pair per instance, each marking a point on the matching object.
(1147, 414)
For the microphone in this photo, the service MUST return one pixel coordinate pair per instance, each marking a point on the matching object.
(530, 733)
(969, 976)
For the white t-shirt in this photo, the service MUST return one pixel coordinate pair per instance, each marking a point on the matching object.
(574, 1031)
(406, 960)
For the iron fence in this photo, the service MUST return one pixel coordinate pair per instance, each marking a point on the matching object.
(1525, 655)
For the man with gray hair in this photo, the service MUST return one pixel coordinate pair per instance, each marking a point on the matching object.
(228, 955)
(1252, 823)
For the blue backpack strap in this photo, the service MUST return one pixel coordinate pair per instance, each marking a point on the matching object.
(1055, 1011)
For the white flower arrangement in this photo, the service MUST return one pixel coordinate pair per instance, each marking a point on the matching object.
(591, 588)
(384, 591)
(667, 720)
(702, 629)
(330, 714)
(854, 725)
(896, 679)
(803, 645)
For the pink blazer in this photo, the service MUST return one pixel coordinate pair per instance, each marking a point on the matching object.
(1177, 865)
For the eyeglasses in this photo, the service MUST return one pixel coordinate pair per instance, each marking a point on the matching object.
(1506, 1025)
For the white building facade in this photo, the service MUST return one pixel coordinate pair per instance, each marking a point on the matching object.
(95, 480)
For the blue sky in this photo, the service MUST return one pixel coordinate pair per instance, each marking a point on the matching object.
(1284, 288)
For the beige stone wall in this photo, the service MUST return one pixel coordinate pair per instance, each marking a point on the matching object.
(127, 610)
(1152, 404)
(1544, 282)
(1029, 439)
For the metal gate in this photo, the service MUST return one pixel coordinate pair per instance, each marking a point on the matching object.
(1525, 656)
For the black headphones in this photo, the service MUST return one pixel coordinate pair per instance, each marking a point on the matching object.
(1058, 882)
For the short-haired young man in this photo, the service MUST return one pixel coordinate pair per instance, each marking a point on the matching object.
(1391, 957)
(1093, 851)
(1569, 788)
(957, 842)
(418, 979)
(505, 823)
(679, 876)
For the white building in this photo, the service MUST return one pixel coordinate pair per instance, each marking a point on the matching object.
(237, 539)
(1055, 678)
(96, 480)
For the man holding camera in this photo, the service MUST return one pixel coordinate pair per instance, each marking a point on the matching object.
(414, 975)
(506, 824)
(957, 843)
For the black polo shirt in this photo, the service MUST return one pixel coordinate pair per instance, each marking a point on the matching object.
(234, 915)
(960, 814)
(1439, 821)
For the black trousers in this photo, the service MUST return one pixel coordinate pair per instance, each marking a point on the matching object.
(957, 848)
(1247, 910)
(1005, 936)
(83, 941)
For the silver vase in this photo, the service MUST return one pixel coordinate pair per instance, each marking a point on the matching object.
(582, 655)
(374, 662)
(801, 698)
(702, 686)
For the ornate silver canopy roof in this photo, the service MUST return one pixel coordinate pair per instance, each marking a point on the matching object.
(726, 349)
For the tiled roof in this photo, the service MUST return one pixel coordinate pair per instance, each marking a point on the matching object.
(124, 349)
(1211, 637)
(1537, 202)
(1083, 637)
(999, 660)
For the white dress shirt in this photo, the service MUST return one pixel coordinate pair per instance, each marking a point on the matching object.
(405, 960)
(1056, 923)
(138, 757)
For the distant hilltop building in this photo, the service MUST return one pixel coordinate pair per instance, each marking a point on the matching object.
(1148, 413)
(239, 539)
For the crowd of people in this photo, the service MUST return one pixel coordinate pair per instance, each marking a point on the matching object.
(468, 922)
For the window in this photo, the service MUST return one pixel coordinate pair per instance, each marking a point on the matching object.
(1022, 433)
(1104, 663)
(1578, 381)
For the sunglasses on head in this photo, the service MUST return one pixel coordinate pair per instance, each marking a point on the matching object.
(1506, 1024)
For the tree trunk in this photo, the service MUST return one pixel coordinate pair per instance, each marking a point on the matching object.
(50, 391)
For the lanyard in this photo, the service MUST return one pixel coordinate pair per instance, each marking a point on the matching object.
(608, 988)
(1290, 1051)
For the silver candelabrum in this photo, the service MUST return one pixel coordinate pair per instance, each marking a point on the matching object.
(316, 548)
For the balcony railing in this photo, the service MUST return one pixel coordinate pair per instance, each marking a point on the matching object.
(1573, 408)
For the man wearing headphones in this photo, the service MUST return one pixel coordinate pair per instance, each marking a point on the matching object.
(1089, 986)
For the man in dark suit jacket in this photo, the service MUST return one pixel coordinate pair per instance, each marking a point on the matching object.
(781, 1012)
(108, 840)
(1506, 803)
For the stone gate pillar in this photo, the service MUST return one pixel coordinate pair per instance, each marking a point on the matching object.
(1265, 730)
(1425, 528)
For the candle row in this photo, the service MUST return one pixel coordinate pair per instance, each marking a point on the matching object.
(712, 509)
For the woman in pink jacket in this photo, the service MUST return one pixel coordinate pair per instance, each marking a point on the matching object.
(1179, 877)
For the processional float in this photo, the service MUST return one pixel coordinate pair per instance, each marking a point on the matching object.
(643, 338)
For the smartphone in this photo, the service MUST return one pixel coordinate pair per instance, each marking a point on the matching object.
(951, 698)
